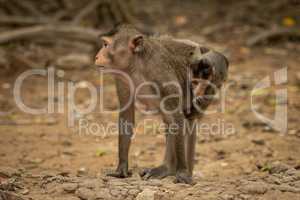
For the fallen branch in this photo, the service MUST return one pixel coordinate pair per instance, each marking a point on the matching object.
(11, 8)
(121, 12)
(28, 7)
(73, 32)
(123, 9)
(272, 34)
(21, 20)
(115, 10)
(87, 10)
(215, 28)
(25, 61)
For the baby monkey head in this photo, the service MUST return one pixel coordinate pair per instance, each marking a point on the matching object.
(119, 47)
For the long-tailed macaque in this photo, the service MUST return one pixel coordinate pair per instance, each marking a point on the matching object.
(169, 70)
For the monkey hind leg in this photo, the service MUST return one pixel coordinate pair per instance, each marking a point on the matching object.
(190, 146)
(157, 173)
(184, 176)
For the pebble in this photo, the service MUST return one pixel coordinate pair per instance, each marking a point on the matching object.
(82, 171)
(103, 194)
(115, 192)
(286, 188)
(91, 183)
(133, 192)
(278, 167)
(154, 182)
(8, 172)
(146, 194)
(255, 188)
(25, 191)
(70, 187)
(86, 194)
(258, 141)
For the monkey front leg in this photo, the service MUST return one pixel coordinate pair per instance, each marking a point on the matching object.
(126, 123)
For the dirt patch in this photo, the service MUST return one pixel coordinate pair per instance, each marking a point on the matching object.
(280, 182)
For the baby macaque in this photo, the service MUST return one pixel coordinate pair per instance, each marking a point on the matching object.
(208, 68)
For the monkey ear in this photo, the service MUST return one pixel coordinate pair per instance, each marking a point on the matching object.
(136, 43)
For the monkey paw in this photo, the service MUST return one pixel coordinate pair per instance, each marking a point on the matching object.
(121, 172)
(183, 177)
(157, 172)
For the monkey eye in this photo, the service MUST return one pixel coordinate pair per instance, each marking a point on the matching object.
(105, 44)
(191, 53)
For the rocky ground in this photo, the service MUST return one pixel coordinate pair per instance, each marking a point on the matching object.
(278, 181)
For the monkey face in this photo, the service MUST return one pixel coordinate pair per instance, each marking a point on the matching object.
(102, 57)
(118, 52)
(195, 56)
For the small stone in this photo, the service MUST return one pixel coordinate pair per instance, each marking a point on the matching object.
(115, 192)
(259, 141)
(91, 183)
(8, 172)
(273, 180)
(154, 182)
(124, 192)
(255, 188)
(66, 143)
(297, 184)
(278, 167)
(287, 179)
(292, 172)
(69, 187)
(103, 194)
(133, 192)
(287, 188)
(244, 196)
(82, 171)
(86, 194)
(25, 191)
(224, 164)
(146, 194)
